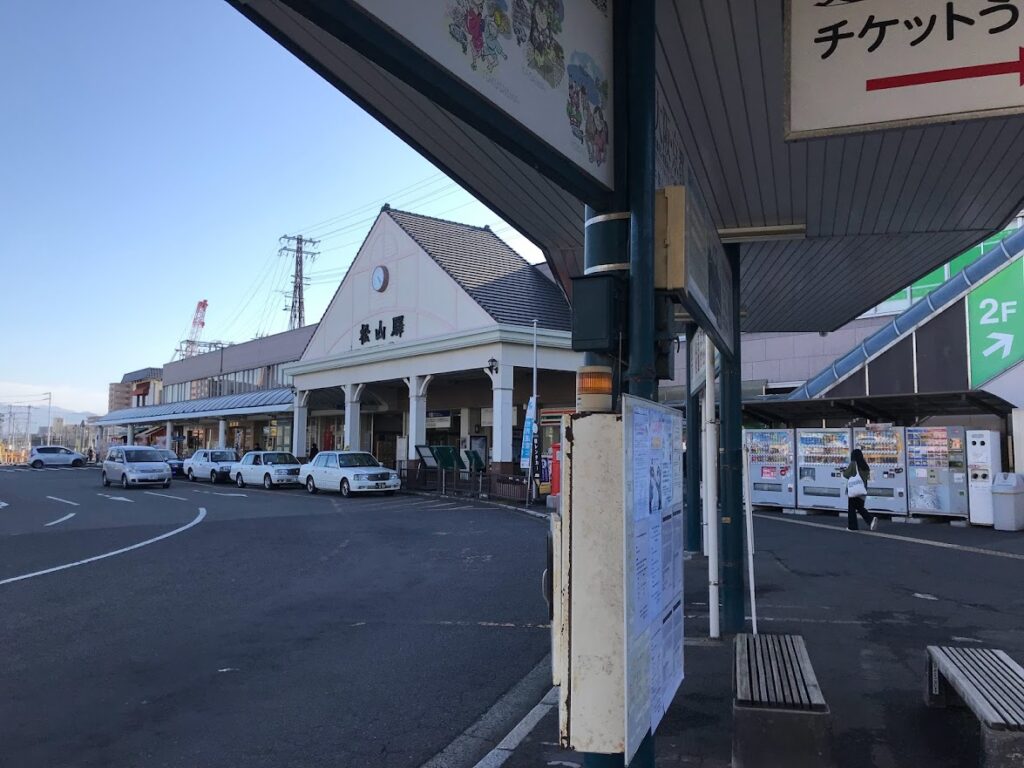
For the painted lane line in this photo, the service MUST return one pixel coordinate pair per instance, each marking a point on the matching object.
(926, 542)
(924, 596)
(64, 501)
(497, 756)
(198, 519)
(68, 516)
(115, 498)
(4, 504)
(165, 495)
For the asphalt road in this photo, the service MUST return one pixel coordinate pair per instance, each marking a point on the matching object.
(272, 628)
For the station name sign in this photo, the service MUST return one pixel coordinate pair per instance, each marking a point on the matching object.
(855, 65)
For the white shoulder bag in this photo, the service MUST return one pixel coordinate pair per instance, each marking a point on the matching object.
(855, 487)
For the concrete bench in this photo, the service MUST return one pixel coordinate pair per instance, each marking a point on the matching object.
(991, 685)
(780, 717)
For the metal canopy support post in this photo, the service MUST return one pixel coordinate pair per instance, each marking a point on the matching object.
(732, 512)
(693, 535)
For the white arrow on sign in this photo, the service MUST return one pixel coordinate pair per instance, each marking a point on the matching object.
(1003, 341)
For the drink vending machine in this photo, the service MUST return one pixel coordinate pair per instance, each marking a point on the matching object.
(822, 455)
(984, 462)
(771, 470)
(884, 451)
(936, 471)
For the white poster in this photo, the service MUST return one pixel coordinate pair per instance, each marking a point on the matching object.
(868, 63)
(547, 64)
(653, 564)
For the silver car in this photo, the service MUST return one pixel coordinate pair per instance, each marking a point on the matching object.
(136, 465)
(54, 456)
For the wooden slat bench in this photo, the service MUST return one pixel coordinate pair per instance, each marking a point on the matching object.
(780, 717)
(991, 685)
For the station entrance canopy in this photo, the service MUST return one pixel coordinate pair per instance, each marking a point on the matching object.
(829, 225)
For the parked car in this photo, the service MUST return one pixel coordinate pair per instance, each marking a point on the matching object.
(173, 461)
(349, 472)
(213, 465)
(271, 468)
(136, 465)
(54, 456)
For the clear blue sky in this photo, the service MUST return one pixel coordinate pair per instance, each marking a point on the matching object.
(153, 153)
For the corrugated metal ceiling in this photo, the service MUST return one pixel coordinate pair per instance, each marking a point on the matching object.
(880, 209)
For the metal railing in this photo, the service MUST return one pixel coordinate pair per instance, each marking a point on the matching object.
(464, 482)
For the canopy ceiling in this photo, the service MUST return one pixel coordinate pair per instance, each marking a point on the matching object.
(880, 209)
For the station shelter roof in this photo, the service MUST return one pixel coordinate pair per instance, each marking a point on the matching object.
(875, 210)
(268, 401)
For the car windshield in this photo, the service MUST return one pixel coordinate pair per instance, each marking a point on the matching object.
(357, 460)
(168, 454)
(279, 458)
(223, 456)
(142, 454)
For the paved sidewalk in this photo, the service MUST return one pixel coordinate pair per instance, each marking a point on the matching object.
(867, 605)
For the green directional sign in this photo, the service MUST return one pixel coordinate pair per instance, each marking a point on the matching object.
(995, 323)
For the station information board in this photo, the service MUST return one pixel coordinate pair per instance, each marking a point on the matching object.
(653, 563)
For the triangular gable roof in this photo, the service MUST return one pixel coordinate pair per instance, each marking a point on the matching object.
(503, 283)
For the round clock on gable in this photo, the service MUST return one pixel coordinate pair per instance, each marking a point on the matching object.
(379, 279)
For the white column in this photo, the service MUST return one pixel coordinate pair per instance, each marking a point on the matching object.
(417, 412)
(300, 420)
(1017, 422)
(353, 413)
(169, 429)
(222, 433)
(501, 417)
(131, 434)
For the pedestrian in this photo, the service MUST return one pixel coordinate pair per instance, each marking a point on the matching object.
(857, 475)
(90, 455)
(313, 450)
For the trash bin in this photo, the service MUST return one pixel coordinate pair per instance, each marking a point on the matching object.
(1008, 502)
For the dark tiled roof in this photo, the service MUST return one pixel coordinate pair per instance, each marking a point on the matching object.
(509, 288)
(143, 374)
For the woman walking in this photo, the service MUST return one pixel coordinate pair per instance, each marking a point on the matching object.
(856, 492)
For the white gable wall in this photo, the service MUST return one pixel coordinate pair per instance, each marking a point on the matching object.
(419, 291)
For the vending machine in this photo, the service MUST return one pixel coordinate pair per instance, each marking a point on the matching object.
(936, 471)
(771, 470)
(822, 455)
(984, 462)
(884, 451)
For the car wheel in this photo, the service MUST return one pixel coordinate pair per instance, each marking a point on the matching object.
(37, 464)
(167, 483)
(268, 484)
(76, 463)
(239, 481)
(106, 480)
(345, 490)
(191, 477)
(310, 485)
(124, 481)
(213, 478)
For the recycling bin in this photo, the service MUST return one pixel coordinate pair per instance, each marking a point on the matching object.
(1008, 502)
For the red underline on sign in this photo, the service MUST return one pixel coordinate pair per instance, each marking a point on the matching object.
(1016, 66)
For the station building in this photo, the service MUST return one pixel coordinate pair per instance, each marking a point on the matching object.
(428, 340)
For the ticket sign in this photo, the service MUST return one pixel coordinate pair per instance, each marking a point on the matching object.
(995, 324)
(865, 64)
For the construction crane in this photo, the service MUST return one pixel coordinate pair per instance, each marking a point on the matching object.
(198, 323)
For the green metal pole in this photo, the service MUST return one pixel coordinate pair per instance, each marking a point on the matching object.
(732, 520)
(692, 534)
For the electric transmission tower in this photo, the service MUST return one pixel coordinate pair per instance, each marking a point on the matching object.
(301, 248)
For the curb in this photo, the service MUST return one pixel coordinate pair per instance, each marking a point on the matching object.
(487, 502)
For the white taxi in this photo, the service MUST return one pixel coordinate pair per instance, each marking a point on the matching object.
(269, 468)
(349, 472)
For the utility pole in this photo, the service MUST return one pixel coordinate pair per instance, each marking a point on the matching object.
(49, 418)
(301, 248)
(28, 428)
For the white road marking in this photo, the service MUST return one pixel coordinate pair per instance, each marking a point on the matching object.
(228, 669)
(64, 501)
(926, 542)
(497, 756)
(925, 596)
(115, 498)
(198, 519)
(68, 516)
(3, 504)
(165, 495)
(244, 496)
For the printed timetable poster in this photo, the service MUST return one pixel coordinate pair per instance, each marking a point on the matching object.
(653, 553)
